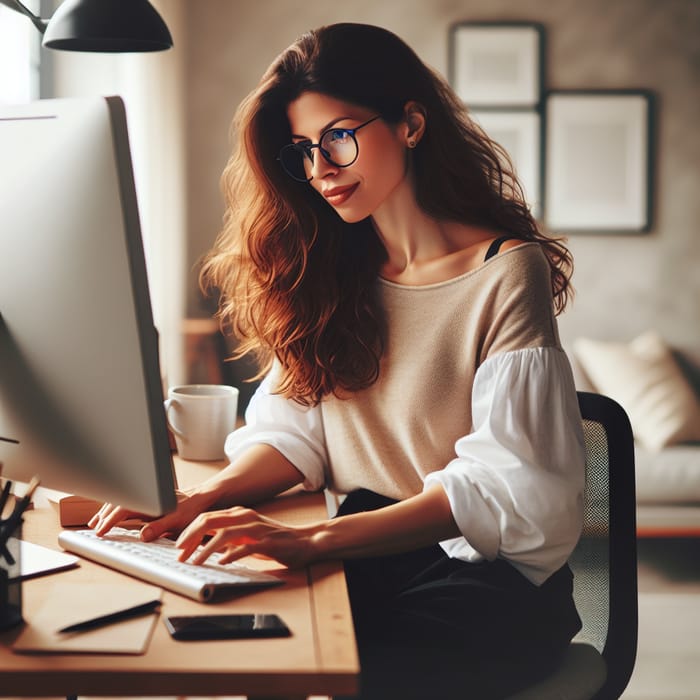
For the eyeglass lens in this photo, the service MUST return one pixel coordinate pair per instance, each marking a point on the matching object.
(338, 147)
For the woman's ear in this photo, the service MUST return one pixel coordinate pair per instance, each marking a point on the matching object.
(414, 115)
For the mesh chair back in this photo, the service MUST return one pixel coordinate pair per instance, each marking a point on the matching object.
(590, 560)
(605, 560)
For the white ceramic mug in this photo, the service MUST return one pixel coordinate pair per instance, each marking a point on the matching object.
(201, 416)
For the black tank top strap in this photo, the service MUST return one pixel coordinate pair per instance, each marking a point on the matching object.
(495, 246)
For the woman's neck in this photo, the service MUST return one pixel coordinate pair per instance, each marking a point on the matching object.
(423, 250)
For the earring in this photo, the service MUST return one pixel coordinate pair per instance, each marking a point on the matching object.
(411, 144)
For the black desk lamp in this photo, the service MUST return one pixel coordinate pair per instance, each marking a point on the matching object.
(101, 25)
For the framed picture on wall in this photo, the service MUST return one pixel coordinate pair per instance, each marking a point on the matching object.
(598, 161)
(496, 64)
(519, 134)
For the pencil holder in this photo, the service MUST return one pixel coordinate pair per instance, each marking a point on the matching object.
(10, 578)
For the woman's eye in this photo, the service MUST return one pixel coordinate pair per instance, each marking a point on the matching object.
(338, 135)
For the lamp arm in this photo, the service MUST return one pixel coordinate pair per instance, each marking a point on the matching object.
(17, 6)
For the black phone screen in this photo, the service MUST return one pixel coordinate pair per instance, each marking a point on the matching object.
(240, 626)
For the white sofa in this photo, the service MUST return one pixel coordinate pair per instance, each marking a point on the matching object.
(660, 390)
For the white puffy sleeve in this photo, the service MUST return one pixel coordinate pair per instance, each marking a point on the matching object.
(516, 484)
(294, 430)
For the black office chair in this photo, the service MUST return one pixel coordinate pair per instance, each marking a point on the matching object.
(599, 662)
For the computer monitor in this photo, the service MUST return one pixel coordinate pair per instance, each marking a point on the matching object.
(81, 398)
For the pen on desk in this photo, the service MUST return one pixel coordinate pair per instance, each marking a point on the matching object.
(110, 618)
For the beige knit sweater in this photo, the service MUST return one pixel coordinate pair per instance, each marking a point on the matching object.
(388, 437)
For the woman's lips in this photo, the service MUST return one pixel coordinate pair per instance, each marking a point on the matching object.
(338, 195)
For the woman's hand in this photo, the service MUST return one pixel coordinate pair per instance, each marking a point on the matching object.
(188, 507)
(238, 532)
(259, 474)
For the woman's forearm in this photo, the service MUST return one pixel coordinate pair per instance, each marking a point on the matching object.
(260, 473)
(410, 524)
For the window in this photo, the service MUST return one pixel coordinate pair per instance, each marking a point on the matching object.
(20, 45)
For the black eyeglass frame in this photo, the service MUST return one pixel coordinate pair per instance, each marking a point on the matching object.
(305, 149)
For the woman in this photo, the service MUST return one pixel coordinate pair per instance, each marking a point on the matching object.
(381, 264)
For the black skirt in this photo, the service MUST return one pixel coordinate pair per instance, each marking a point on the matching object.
(430, 627)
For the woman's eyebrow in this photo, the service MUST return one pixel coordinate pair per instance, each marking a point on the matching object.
(324, 128)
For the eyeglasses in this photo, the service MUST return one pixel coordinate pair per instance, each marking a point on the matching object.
(338, 146)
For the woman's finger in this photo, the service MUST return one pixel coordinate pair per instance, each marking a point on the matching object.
(101, 513)
(113, 516)
(174, 522)
(205, 523)
(232, 554)
(160, 527)
(198, 552)
(222, 541)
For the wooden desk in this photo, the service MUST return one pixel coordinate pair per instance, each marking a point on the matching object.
(319, 658)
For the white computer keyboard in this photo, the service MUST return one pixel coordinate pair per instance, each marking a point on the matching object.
(157, 563)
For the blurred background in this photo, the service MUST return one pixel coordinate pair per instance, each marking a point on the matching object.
(180, 104)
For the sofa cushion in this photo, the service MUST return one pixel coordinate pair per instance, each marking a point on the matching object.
(669, 476)
(645, 379)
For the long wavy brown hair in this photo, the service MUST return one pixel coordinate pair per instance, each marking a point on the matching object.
(296, 283)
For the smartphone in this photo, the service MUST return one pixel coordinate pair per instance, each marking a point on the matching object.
(244, 626)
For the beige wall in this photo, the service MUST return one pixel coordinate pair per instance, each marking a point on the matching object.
(152, 87)
(626, 283)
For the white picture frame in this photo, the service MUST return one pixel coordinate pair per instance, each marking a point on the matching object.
(519, 134)
(496, 64)
(597, 161)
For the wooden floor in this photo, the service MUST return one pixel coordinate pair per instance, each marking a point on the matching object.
(668, 656)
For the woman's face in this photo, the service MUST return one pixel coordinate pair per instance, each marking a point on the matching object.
(356, 191)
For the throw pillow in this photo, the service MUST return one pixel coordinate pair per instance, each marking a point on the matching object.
(645, 379)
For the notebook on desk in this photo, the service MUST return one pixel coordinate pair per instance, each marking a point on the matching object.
(36, 560)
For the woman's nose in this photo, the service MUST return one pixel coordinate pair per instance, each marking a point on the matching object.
(321, 167)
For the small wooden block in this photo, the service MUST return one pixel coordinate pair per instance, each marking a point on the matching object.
(75, 511)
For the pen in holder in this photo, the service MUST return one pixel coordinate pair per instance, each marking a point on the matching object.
(10, 579)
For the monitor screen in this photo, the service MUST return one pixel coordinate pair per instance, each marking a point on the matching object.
(81, 398)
